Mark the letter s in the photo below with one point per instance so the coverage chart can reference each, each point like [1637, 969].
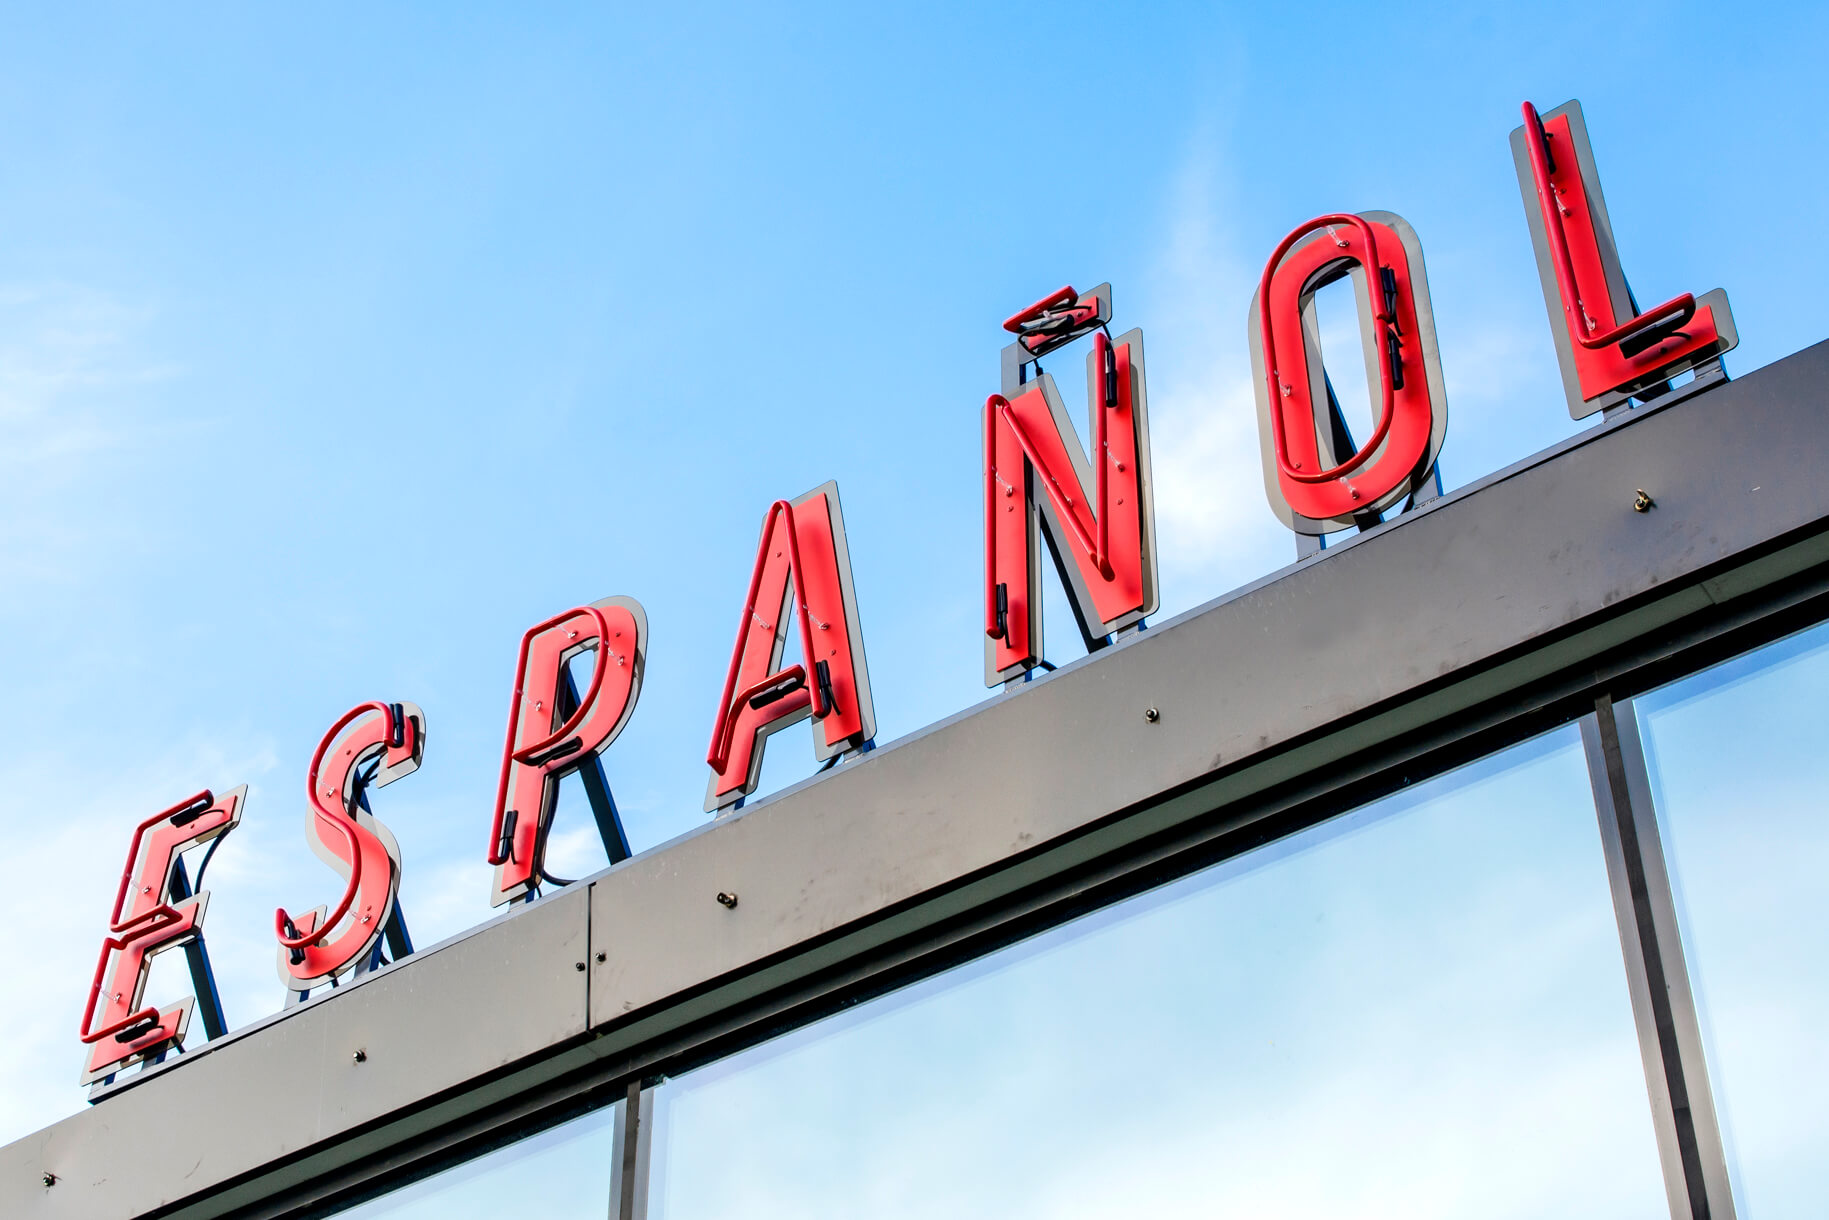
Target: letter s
[346, 836]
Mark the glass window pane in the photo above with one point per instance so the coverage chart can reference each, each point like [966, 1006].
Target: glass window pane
[1738, 771]
[1416, 1010]
[561, 1172]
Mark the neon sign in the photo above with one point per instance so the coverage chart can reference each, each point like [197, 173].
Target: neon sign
[802, 577]
[1098, 517]
[1316, 477]
[1094, 510]
[1609, 350]
[554, 731]
[157, 907]
[388, 739]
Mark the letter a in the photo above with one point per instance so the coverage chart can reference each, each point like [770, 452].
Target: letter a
[803, 575]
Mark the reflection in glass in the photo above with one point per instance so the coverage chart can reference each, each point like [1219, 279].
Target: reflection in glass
[1416, 1010]
[1738, 770]
[561, 1172]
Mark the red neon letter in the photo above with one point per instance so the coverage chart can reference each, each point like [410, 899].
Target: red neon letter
[347, 837]
[1608, 350]
[551, 733]
[1036, 477]
[803, 541]
[1313, 488]
[146, 921]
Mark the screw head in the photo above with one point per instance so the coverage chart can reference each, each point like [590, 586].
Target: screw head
[1151, 714]
[727, 899]
[1642, 502]
[578, 966]
[361, 1055]
[48, 1178]
[603, 957]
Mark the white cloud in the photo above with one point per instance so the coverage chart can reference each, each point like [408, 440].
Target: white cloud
[574, 851]
[443, 897]
[1215, 530]
[59, 344]
[64, 351]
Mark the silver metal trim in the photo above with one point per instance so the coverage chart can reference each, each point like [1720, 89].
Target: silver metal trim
[1670, 1035]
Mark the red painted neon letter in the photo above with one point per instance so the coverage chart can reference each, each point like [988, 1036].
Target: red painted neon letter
[146, 921]
[1312, 487]
[1609, 351]
[328, 941]
[1097, 515]
[553, 730]
[802, 574]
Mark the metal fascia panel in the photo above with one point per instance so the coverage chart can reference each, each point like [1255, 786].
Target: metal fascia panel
[431, 1022]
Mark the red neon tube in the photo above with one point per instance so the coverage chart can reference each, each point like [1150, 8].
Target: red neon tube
[509, 753]
[991, 409]
[820, 709]
[791, 678]
[1028, 449]
[1274, 377]
[155, 920]
[1055, 299]
[280, 918]
[1579, 324]
[1101, 350]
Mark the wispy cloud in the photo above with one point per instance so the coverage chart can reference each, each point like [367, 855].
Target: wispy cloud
[66, 352]
[1215, 530]
[59, 344]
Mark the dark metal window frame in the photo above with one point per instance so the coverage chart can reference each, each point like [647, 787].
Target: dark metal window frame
[1534, 598]
[1688, 1136]
[1670, 1036]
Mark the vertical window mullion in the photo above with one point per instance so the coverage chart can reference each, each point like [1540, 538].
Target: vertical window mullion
[633, 1145]
[1683, 1113]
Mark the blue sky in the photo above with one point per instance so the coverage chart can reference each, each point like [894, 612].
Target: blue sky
[337, 348]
